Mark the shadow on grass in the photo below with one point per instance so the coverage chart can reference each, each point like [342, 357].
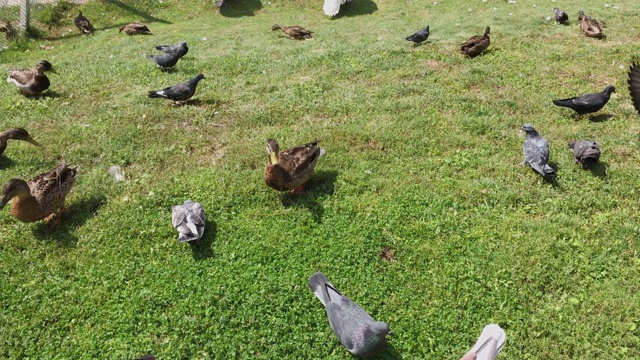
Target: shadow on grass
[357, 8]
[321, 184]
[601, 117]
[202, 248]
[47, 94]
[389, 353]
[207, 102]
[146, 16]
[72, 218]
[240, 8]
[6, 162]
[599, 169]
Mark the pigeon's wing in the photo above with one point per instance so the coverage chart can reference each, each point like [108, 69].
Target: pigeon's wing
[332, 7]
[178, 215]
[589, 99]
[196, 215]
[536, 154]
[347, 319]
[178, 92]
[634, 85]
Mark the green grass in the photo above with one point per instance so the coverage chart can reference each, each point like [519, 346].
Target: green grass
[422, 153]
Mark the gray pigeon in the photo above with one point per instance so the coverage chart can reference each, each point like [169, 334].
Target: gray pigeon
[585, 152]
[356, 330]
[536, 151]
[189, 220]
[220, 3]
[561, 17]
[181, 49]
[419, 36]
[165, 60]
[180, 92]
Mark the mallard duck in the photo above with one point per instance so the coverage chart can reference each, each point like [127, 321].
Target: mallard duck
[32, 81]
[295, 31]
[590, 27]
[83, 24]
[476, 44]
[15, 134]
[634, 85]
[41, 197]
[135, 29]
[5, 27]
[290, 169]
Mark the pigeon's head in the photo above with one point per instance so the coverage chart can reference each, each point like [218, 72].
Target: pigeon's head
[528, 128]
[572, 144]
[380, 329]
[121, 28]
[199, 77]
[274, 152]
[556, 9]
[275, 27]
[21, 134]
[609, 89]
[13, 188]
[487, 31]
[581, 15]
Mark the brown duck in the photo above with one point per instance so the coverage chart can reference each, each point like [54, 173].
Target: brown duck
[590, 27]
[41, 197]
[32, 81]
[290, 169]
[83, 24]
[476, 44]
[295, 31]
[15, 134]
[135, 29]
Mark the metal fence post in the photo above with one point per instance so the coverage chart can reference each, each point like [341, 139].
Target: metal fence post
[24, 16]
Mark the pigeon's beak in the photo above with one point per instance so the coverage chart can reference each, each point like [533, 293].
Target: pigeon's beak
[30, 140]
[53, 71]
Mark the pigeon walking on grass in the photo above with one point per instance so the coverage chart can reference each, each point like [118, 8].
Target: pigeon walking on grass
[489, 344]
[419, 36]
[189, 219]
[181, 49]
[165, 60]
[354, 327]
[585, 152]
[588, 103]
[560, 16]
[180, 92]
[536, 152]
[634, 85]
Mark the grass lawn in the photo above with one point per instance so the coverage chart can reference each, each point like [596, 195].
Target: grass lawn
[423, 147]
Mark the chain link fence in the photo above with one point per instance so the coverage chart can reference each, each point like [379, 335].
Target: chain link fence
[10, 16]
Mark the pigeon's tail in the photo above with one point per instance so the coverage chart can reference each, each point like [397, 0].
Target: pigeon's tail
[548, 170]
[320, 285]
[157, 94]
[563, 102]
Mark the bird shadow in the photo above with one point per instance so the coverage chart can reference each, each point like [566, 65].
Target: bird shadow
[6, 162]
[48, 94]
[320, 185]
[203, 103]
[240, 8]
[72, 218]
[598, 169]
[389, 353]
[202, 248]
[357, 8]
[601, 117]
